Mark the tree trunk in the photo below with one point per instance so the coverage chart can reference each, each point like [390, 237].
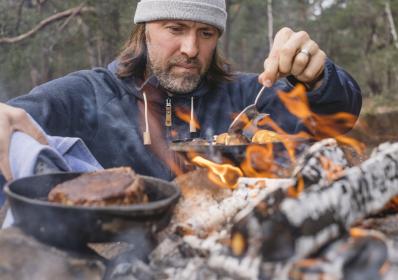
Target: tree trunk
[390, 18]
[270, 23]
[89, 43]
[110, 30]
[227, 32]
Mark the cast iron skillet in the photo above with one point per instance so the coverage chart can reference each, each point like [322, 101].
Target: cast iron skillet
[73, 226]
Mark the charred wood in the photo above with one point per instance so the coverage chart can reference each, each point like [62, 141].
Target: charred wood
[351, 257]
[300, 226]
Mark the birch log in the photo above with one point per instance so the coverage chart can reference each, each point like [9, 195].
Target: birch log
[300, 226]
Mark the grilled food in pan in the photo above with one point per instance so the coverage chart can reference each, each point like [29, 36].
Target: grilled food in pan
[72, 226]
[115, 186]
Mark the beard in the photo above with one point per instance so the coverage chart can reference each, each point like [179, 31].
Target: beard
[172, 81]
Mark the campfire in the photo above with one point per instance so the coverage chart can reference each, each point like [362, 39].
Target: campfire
[296, 207]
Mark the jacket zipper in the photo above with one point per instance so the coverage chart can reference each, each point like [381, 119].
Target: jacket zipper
[168, 119]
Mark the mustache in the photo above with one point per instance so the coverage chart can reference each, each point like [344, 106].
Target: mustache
[184, 60]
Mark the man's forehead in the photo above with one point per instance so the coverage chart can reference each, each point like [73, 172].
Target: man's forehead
[186, 23]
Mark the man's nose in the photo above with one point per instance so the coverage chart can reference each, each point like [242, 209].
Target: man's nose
[189, 46]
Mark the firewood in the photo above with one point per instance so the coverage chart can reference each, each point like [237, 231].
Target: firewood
[300, 226]
[205, 207]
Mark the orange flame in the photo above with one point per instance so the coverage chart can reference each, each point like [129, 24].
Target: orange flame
[320, 126]
[295, 190]
[185, 115]
[259, 161]
[333, 170]
[224, 175]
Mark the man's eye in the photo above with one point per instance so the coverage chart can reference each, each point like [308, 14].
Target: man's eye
[175, 29]
[207, 34]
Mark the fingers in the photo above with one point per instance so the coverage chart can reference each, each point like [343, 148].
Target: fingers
[293, 53]
[302, 59]
[271, 64]
[290, 50]
[4, 147]
[22, 122]
[314, 69]
[12, 119]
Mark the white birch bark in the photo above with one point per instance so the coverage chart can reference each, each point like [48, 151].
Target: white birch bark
[390, 19]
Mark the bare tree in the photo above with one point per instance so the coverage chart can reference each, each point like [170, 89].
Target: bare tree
[270, 23]
[68, 14]
[390, 19]
[233, 8]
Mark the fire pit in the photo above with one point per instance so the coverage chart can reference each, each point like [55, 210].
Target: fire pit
[314, 224]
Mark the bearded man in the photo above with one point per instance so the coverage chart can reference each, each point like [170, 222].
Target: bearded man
[127, 113]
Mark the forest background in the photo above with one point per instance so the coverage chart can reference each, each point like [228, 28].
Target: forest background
[43, 39]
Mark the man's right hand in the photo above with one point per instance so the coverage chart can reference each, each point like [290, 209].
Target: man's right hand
[12, 119]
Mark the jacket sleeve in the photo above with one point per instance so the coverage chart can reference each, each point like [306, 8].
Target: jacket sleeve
[63, 107]
[339, 92]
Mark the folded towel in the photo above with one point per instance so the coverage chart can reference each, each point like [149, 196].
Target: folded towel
[28, 157]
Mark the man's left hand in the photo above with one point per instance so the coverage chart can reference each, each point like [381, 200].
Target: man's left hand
[293, 53]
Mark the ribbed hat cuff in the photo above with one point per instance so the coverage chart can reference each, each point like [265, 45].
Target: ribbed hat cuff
[177, 10]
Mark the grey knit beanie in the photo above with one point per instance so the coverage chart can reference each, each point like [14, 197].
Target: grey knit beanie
[212, 12]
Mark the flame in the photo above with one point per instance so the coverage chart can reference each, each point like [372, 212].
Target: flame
[357, 232]
[320, 126]
[296, 189]
[238, 244]
[259, 161]
[174, 133]
[333, 170]
[185, 115]
[224, 175]
[264, 160]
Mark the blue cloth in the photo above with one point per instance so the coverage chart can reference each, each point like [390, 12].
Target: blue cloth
[62, 154]
[29, 157]
[106, 112]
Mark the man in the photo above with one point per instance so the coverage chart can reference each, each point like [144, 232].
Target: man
[128, 117]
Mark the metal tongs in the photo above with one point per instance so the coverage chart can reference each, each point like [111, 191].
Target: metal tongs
[246, 115]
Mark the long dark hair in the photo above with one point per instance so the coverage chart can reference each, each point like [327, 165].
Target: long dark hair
[133, 59]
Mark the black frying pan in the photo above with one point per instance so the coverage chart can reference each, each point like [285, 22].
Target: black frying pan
[74, 226]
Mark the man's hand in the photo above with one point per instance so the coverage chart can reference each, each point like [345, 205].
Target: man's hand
[293, 53]
[12, 119]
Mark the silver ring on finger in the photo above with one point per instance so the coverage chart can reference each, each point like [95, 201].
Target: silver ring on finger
[305, 52]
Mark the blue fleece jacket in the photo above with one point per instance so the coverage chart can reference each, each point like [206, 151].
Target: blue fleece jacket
[105, 111]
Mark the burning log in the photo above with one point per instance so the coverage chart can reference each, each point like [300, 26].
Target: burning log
[362, 255]
[205, 207]
[279, 222]
[199, 196]
[299, 226]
